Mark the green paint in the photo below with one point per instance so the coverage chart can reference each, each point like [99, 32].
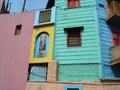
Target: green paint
[79, 62]
[78, 72]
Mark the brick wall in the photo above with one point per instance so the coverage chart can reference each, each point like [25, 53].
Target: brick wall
[60, 85]
[52, 71]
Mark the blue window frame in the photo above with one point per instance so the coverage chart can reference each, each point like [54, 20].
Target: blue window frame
[38, 72]
[73, 87]
[42, 45]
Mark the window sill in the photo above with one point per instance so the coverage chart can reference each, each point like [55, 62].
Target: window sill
[42, 24]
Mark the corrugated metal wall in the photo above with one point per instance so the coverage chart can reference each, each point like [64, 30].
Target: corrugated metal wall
[105, 39]
[85, 58]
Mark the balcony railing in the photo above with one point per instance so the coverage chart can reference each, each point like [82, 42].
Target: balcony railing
[115, 54]
[113, 12]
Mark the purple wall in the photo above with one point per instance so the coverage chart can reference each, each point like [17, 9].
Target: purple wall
[15, 50]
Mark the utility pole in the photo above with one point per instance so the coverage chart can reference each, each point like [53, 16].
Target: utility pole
[24, 6]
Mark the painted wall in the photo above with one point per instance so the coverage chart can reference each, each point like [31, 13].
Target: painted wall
[15, 50]
[81, 62]
[44, 27]
[37, 30]
[105, 38]
[37, 17]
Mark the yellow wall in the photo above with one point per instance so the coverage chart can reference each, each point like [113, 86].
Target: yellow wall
[37, 30]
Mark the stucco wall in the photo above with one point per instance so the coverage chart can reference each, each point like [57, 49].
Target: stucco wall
[15, 50]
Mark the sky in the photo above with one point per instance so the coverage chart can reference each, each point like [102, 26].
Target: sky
[16, 5]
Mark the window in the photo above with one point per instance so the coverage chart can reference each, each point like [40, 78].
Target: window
[73, 3]
[41, 45]
[18, 29]
[115, 37]
[38, 72]
[73, 87]
[45, 16]
[74, 36]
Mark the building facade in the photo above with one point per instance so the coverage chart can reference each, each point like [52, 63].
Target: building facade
[15, 38]
[69, 45]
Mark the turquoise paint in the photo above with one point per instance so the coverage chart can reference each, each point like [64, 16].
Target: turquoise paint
[77, 63]
[79, 72]
[37, 17]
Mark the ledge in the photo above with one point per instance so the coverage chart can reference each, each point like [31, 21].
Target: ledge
[43, 24]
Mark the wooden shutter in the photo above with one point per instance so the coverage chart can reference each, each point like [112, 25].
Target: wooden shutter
[76, 3]
[70, 3]
[74, 38]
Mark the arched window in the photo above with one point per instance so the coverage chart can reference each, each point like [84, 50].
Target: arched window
[41, 45]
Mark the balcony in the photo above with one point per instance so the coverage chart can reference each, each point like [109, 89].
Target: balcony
[46, 16]
[113, 12]
[115, 54]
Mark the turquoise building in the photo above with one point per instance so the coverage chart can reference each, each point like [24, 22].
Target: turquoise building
[64, 45]
[83, 40]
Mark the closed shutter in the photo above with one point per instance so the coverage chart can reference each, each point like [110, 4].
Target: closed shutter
[74, 38]
[70, 3]
[76, 3]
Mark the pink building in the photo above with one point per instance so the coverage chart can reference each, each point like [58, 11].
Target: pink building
[15, 40]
